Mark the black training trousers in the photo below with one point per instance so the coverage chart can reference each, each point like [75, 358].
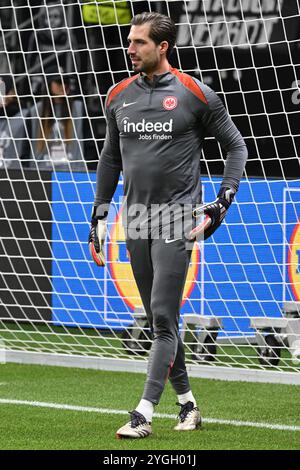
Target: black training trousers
[160, 268]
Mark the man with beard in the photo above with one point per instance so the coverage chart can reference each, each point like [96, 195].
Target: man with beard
[157, 121]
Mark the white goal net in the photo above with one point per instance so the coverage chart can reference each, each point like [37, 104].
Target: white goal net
[241, 303]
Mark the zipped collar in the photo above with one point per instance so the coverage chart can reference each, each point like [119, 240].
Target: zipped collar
[158, 80]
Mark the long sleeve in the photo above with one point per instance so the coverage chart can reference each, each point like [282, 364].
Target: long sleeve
[219, 124]
[109, 166]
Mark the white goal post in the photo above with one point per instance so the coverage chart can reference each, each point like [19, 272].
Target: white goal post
[240, 313]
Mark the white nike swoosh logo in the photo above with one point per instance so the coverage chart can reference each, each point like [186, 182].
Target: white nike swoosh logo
[171, 241]
[128, 104]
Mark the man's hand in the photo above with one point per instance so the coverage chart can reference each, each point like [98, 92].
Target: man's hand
[213, 213]
[96, 240]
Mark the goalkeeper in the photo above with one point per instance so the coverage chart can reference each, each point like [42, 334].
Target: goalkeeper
[156, 124]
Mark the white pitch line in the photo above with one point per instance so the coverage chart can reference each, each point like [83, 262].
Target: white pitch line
[90, 409]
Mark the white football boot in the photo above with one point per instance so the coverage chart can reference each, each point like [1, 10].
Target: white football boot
[137, 427]
[189, 417]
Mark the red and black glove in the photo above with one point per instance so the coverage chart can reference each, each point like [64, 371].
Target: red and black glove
[212, 214]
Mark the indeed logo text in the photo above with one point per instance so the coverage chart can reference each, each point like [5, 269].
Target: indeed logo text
[148, 126]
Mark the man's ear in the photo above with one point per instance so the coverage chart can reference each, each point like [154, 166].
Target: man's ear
[164, 46]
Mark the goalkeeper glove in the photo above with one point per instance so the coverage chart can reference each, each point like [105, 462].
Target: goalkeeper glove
[97, 237]
[214, 214]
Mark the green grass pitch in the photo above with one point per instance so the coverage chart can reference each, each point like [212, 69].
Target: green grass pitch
[223, 405]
